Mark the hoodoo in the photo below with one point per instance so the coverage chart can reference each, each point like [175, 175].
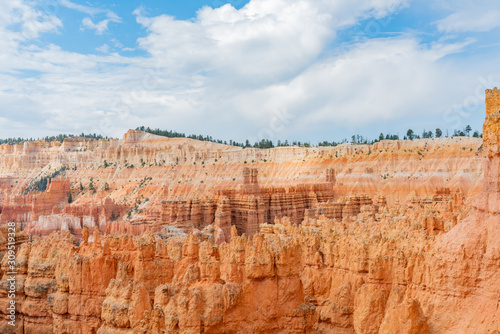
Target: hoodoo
[179, 236]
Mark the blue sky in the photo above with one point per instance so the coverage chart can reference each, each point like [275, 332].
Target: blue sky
[304, 70]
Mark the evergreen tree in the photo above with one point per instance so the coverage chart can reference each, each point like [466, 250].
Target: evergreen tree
[468, 129]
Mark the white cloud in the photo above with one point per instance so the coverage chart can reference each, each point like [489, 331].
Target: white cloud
[228, 72]
[391, 78]
[380, 81]
[117, 43]
[104, 48]
[467, 16]
[102, 25]
[467, 21]
[31, 22]
[264, 42]
[99, 27]
[81, 8]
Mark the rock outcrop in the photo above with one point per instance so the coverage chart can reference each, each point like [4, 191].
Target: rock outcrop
[145, 181]
[320, 250]
[368, 275]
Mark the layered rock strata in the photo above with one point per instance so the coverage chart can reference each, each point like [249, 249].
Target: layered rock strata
[145, 181]
[354, 264]
[374, 274]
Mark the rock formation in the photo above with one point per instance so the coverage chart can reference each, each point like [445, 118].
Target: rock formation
[301, 243]
[145, 181]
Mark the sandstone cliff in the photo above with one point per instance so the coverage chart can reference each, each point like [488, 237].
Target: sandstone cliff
[325, 251]
[145, 181]
[374, 274]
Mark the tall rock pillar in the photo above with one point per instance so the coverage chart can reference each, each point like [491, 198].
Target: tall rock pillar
[490, 200]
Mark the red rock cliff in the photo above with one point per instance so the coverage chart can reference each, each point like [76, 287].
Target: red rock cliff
[146, 181]
[426, 261]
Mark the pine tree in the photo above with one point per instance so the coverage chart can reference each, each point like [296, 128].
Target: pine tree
[410, 134]
[468, 129]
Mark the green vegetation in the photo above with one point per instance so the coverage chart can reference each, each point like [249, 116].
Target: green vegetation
[468, 129]
[427, 134]
[410, 134]
[59, 138]
[41, 183]
[135, 208]
[262, 144]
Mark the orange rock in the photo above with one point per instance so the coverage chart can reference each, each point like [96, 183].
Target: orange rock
[405, 317]
[390, 243]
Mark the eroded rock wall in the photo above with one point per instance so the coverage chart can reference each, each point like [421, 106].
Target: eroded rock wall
[373, 274]
[424, 259]
[145, 181]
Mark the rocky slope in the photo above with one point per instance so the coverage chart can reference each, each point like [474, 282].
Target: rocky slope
[146, 181]
[327, 248]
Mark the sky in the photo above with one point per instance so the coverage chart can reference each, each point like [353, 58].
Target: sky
[308, 70]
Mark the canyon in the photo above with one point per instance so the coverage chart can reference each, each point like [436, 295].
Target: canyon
[146, 182]
[149, 234]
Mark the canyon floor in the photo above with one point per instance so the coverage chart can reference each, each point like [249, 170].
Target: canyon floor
[148, 234]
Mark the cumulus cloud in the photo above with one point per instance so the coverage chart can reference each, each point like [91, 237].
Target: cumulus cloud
[381, 80]
[389, 76]
[30, 22]
[263, 42]
[267, 69]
